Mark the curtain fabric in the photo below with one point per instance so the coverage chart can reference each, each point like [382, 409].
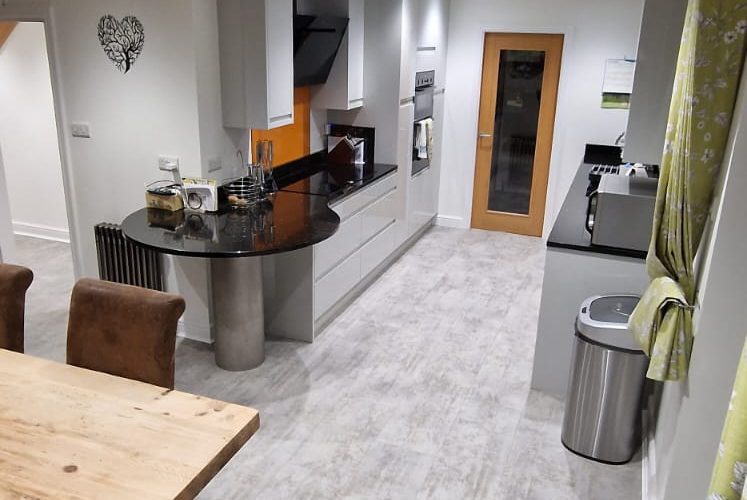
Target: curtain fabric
[730, 471]
[709, 65]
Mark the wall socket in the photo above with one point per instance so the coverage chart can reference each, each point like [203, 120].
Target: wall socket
[82, 130]
[167, 163]
[215, 164]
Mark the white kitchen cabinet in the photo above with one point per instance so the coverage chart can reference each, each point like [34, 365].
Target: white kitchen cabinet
[377, 250]
[332, 251]
[570, 277]
[339, 260]
[438, 138]
[409, 45]
[256, 61]
[335, 284]
[404, 160]
[423, 187]
[378, 216]
[344, 87]
[433, 18]
[422, 195]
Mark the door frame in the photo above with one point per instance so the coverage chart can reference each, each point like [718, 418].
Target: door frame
[40, 11]
[540, 188]
[464, 219]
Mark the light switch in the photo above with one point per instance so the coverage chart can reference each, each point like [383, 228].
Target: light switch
[82, 130]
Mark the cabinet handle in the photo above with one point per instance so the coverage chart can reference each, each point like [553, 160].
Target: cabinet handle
[485, 136]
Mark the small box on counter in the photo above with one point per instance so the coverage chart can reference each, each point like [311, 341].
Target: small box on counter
[201, 194]
[164, 196]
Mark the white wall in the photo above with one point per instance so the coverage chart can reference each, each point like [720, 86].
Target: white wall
[594, 32]
[152, 110]
[691, 414]
[28, 136]
[218, 145]
[7, 241]
[134, 118]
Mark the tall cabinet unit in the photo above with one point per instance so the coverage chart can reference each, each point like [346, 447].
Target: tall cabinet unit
[424, 49]
[256, 62]
[404, 161]
[344, 87]
[410, 34]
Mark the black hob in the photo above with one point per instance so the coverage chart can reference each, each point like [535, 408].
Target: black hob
[313, 175]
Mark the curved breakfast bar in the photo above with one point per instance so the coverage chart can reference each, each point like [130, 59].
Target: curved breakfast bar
[234, 240]
[295, 217]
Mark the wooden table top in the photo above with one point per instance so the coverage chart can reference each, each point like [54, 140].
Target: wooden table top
[66, 432]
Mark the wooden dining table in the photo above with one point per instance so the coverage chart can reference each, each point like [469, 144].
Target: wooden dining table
[67, 432]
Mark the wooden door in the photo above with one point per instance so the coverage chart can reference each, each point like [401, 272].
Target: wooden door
[517, 113]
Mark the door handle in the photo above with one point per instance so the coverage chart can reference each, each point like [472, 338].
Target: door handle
[485, 136]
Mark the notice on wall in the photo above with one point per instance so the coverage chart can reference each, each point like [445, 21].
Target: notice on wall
[618, 76]
[618, 83]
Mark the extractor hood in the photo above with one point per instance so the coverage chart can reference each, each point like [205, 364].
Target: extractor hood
[316, 40]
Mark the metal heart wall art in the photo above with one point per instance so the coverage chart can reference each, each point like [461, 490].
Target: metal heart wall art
[122, 41]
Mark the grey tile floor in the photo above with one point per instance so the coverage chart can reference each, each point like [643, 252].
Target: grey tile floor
[419, 390]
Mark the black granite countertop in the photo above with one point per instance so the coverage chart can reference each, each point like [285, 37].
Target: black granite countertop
[313, 175]
[287, 222]
[570, 231]
[296, 216]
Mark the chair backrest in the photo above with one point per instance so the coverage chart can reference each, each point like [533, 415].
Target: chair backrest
[14, 281]
[124, 330]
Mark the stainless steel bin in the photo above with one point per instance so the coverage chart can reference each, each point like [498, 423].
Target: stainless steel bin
[602, 419]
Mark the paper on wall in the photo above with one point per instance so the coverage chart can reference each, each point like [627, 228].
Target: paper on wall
[618, 76]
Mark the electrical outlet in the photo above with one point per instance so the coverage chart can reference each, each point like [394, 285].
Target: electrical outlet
[168, 163]
[214, 164]
[82, 130]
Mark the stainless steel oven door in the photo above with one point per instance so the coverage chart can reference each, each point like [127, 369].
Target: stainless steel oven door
[423, 103]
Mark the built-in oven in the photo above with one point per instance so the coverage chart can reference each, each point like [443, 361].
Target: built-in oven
[422, 135]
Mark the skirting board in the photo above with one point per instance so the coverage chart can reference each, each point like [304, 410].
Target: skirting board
[196, 331]
[42, 232]
[452, 221]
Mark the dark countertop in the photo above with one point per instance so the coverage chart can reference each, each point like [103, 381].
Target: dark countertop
[569, 231]
[313, 175]
[289, 222]
[297, 216]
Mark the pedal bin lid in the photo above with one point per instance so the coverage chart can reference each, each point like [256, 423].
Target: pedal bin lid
[604, 319]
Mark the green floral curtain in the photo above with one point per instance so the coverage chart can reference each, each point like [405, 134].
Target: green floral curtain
[709, 66]
[728, 480]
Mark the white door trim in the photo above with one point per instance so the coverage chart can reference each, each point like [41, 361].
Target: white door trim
[41, 11]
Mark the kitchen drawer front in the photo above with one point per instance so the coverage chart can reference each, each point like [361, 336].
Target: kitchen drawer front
[335, 284]
[378, 216]
[356, 202]
[377, 250]
[333, 250]
[422, 198]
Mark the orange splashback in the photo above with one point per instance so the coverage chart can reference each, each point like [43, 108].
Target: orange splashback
[6, 28]
[292, 141]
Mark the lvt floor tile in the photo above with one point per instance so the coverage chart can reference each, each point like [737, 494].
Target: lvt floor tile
[419, 390]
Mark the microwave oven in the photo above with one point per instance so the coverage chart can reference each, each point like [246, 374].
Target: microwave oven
[620, 212]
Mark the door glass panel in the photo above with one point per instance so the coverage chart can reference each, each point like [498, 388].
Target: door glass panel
[515, 131]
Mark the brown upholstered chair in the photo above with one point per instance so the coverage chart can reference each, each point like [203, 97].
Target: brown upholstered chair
[14, 281]
[124, 330]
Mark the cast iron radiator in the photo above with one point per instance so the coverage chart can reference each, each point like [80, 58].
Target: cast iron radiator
[121, 261]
